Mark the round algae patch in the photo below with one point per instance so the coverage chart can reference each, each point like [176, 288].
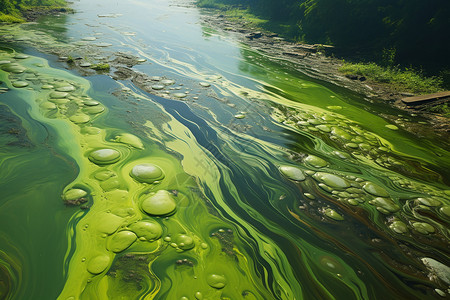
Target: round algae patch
[104, 156]
[129, 139]
[48, 105]
[216, 281]
[375, 190]
[149, 230]
[80, 118]
[98, 264]
[399, 227]
[20, 84]
[58, 95]
[316, 161]
[159, 204]
[292, 173]
[13, 68]
[184, 242]
[121, 241]
[331, 180]
[179, 95]
[331, 213]
[158, 86]
[67, 88]
[147, 173]
[74, 194]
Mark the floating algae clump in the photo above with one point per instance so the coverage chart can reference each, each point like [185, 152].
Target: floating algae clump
[121, 241]
[385, 205]
[399, 227]
[129, 139]
[160, 203]
[104, 156]
[80, 118]
[423, 228]
[184, 242]
[98, 264]
[331, 180]
[20, 84]
[375, 190]
[216, 281]
[331, 213]
[13, 68]
[58, 95]
[147, 173]
[292, 173]
[74, 194]
[149, 230]
[316, 161]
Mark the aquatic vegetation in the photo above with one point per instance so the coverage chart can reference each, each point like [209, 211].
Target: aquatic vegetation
[176, 200]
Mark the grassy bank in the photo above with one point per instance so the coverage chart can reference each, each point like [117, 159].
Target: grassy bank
[403, 80]
[12, 11]
[407, 80]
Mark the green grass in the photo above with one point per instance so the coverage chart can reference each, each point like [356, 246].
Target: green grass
[10, 19]
[5, 18]
[407, 80]
[101, 67]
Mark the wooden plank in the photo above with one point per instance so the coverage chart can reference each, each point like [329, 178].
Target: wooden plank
[425, 98]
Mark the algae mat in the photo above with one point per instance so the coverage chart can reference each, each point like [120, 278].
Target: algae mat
[243, 181]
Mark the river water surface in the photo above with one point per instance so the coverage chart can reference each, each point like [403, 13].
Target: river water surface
[221, 174]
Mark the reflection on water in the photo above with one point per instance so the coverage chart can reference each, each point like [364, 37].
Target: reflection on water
[257, 183]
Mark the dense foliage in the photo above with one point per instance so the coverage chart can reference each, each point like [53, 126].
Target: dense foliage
[10, 10]
[415, 31]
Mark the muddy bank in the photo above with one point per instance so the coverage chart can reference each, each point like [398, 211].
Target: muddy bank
[313, 61]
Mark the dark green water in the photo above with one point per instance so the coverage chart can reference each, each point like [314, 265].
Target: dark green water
[261, 184]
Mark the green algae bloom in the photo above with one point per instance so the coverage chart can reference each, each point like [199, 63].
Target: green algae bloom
[104, 156]
[147, 173]
[160, 203]
[292, 173]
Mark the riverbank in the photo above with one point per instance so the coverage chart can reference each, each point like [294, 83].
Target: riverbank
[313, 61]
[18, 12]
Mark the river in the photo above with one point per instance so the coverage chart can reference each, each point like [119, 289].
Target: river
[220, 173]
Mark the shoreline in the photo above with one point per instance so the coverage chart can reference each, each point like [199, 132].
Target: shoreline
[309, 60]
